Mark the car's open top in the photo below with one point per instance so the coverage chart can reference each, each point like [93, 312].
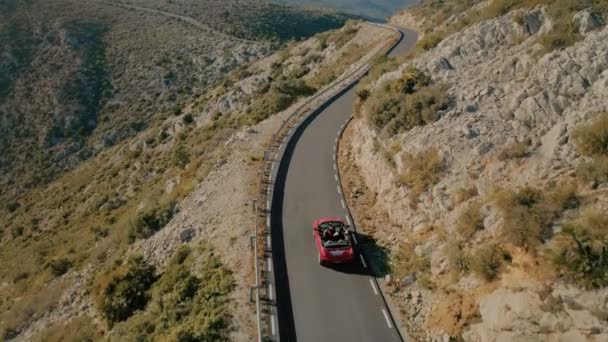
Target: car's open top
[333, 234]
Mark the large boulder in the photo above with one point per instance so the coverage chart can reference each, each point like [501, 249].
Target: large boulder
[588, 20]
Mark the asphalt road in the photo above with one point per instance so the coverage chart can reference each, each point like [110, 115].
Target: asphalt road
[316, 303]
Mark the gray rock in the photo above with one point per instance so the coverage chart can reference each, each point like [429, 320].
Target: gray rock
[534, 20]
[587, 20]
[186, 235]
[409, 279]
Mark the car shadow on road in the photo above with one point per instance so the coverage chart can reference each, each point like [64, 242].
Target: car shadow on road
[376, 256]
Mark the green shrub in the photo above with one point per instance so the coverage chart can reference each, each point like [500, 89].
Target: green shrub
[281, 95]
[180, 156]
[184, 306]
[487, 261]
[128, 292]
[410, 101]
[581, 250]
[188, 119]
[470, 221]
[60, 266]
[422, 170]
[149, 222]
[363, 94]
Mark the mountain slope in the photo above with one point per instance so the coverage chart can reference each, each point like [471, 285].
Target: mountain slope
[477, 165]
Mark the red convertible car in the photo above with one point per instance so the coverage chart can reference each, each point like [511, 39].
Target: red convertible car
[333, 240]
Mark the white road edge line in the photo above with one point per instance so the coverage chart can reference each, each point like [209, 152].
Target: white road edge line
[267, 204]
[373, 286]
[348, 220]
[272, 326]
[388, 321]
[335, 168]
[269, 264]
[270, 291]
[336, 177]
[356, 242]
[268, 239]
[363, 261]
[343, 204]
[339, 190]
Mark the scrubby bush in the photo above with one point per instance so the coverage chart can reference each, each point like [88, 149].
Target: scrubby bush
[410, 101]
[488, 260]
[188, 119]
[128, 292]
[514, 151]
[429, 41]
[463, 194]
[591, 140]
[184, 306]
[11, 206]
[470, 221]
[459, 259]
[581, 250]
[60, 266]
[281, 95]
[149, 222]
[180, 156]
[594, 170]
[422, 170]
[405, 261]
[529, 212]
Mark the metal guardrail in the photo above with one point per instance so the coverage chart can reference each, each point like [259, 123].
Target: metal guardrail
[263, 203]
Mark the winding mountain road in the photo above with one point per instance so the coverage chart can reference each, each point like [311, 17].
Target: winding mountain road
[316, 303]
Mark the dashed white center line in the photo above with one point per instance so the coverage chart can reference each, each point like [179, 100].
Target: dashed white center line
[268, 240]
[348, 220]
[336, 177]
[335, 168]
[270, 291]
[363, 261]
[267, 204]
[339, 190]
[373, 286]
[334, 158]
[273, 328]
[355, 239]
[269, 264]
[343, 204]
[388, 321]
[334, 148]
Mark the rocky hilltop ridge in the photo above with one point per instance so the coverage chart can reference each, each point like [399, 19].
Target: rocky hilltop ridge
[486, 193]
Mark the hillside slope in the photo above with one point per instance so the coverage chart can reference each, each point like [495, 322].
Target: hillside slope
[478, 163]
[162, 211]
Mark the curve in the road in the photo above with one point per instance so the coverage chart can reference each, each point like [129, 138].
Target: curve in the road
[317, 303]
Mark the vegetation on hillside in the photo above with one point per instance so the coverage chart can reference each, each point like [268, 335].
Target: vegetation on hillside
[399, 105]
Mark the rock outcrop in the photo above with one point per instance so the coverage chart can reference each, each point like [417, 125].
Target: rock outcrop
[504, 89]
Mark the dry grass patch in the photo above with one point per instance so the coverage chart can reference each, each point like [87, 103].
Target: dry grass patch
[422, 170]
[470, 221]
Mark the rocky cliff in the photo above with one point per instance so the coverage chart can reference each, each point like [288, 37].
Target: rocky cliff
[472, 253]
